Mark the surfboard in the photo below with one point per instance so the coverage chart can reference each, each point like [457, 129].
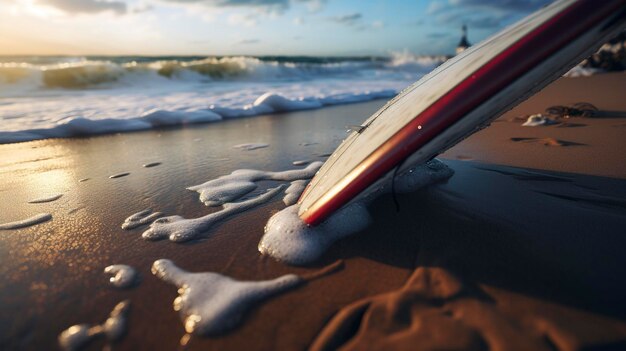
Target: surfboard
[460, 97]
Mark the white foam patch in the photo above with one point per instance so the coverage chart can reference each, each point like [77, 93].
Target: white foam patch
[45, 199]
[233, 186]
[211, 303]
[288, 239]
[179, 229]
[293, 192]
[40, 218]
[251, 146]
[77, 336]
[119, 175]
[122, 276]
[269, 102]
[538, 120]
[140, 218]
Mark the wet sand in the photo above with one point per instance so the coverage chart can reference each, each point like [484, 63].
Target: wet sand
[522, 246]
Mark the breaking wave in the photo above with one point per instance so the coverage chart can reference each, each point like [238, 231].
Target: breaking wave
[87, 72]
[48, 97]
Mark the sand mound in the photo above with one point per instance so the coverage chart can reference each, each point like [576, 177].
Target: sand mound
[436, 311]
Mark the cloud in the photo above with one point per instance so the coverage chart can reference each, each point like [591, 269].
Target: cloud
[507, 5]
[272, 6]
[248, 41]
[481, 14]
[313, 5]
[238, 19]
[473, 20]
[348, 20]
[141, 8]
[87, 6]
[378, 24]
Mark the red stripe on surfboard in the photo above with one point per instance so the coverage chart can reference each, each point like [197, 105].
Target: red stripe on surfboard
[485, 82]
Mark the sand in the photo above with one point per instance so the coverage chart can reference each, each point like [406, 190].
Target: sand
[523, 246]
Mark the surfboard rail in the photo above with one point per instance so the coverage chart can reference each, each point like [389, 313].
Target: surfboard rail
[572, 29]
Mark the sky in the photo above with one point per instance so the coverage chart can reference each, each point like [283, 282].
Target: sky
[250, 27]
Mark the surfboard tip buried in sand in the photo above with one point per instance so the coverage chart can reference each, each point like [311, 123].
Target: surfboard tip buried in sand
[460, 97]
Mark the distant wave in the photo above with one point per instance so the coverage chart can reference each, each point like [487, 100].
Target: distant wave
[80, 73]
[48, 97]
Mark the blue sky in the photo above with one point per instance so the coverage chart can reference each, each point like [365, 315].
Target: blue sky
[249, 27]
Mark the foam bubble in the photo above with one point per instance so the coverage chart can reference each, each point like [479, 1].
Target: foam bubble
[77, 336]
[123, 276]
[45, 199]
[140, 218]
[119, 175]
[211, 303]
[40, 218]
[151, 164]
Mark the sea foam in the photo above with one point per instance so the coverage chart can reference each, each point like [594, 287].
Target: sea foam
[211, 303]
[140, 218]
[86, 97]
[123, 276]
[288, 239]
[40, 218]
[45, 199]
[179, 229]
[77, 336]
[226, 191]
[293, 192]
[240, 182]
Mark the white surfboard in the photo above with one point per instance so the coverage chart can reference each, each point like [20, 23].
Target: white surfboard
[460, 97]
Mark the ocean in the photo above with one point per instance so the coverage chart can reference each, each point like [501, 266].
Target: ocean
[61, 96]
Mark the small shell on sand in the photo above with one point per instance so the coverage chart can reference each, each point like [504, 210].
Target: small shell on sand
[40, 218]
[151, 164]
[538, 120]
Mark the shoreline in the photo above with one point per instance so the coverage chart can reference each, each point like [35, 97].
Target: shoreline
[533, 232]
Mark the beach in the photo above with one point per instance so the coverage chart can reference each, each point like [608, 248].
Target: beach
[522, 248]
